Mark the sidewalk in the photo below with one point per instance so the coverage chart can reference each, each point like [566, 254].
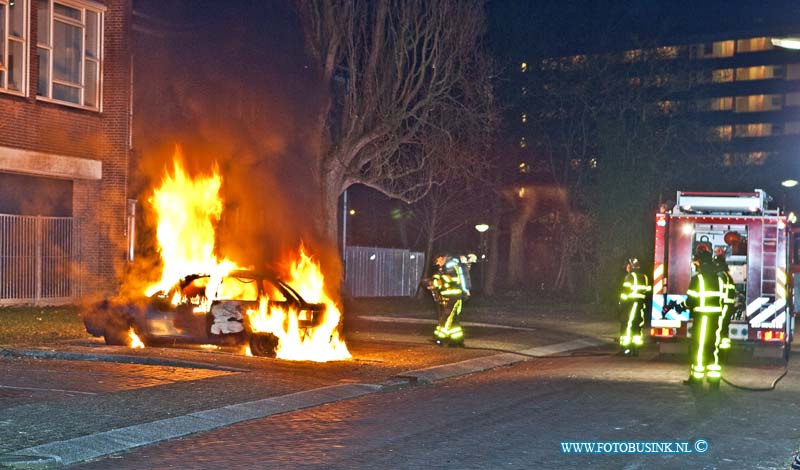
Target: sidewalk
[235, 388]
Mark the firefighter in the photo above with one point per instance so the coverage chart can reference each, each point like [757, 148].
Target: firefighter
[634, 290]
[728, 299]
[450, 288]
[704, 299]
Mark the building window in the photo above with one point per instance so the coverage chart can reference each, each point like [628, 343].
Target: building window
[761, 129]
[633, 55]
[720, 103]
[721, 133]
[760, 72]
[70, 51]
[13, 49]
[523, 67]
[722, 75]
[793, 72]
[667, 52]
[757, 103]
[523, 143]
[793, 99]
[713, 50]
[524, 118]
[666, 106]
[753, 45]
[791, 127]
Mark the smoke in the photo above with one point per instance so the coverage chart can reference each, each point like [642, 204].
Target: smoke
[231, 87]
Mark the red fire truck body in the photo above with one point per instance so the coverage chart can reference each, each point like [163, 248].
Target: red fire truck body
[756, 243]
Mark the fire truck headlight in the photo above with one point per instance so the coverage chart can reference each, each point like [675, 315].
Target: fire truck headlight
[687, 229]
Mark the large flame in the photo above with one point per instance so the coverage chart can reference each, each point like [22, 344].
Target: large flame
[321, 343]
[188, 211]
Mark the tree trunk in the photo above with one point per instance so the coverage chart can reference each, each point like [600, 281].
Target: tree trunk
[426, 272]
[516, 247]
[331, 187]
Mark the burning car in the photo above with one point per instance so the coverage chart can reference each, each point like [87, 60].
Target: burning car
[206, 309]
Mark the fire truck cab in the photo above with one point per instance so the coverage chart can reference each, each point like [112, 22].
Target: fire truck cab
[757, 243]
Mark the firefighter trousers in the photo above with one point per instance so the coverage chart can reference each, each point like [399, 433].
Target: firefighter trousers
[704, 349]
[449, 327]
[725, 322]
[632, 324]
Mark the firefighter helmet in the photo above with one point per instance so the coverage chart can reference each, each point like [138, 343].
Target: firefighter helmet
[704, 258]
[720, 262]
[634, 264]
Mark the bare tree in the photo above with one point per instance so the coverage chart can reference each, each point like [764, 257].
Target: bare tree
[393, 71]
[605, 126]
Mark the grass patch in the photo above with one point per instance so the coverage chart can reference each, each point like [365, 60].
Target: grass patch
[36, 326]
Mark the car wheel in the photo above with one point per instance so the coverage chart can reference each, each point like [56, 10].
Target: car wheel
[263, 344]
[116, 332]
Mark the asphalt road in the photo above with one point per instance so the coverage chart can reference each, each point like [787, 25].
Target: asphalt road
[513, 417]
[484, 409]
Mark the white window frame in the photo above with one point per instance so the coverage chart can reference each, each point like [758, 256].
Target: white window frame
[83, 6]
[7, 39]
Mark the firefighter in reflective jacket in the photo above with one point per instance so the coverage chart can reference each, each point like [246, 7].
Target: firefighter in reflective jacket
[704, 299]
[450, 287]
[634, 290]
[728, 299]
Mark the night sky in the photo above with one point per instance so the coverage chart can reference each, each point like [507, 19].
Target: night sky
[563, 27]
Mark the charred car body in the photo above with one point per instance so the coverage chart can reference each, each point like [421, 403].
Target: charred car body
[204, 310]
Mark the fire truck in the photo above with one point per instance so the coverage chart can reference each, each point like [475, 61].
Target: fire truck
[757, 242]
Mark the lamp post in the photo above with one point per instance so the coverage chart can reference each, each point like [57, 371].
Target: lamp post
[482, 229]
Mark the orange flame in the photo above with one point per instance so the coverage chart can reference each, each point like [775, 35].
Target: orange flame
[320, 343]
[188, 211]
[136, 343]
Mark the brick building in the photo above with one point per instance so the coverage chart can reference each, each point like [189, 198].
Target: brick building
[65, 141]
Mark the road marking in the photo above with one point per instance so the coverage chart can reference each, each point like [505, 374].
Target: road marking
[426, 321]
[47, 389]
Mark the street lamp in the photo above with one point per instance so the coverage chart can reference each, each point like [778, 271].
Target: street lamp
[786, 43]
[789, 183]
[482, 228]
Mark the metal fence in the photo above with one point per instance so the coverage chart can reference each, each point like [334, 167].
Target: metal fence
[36, 256]
[382, 272]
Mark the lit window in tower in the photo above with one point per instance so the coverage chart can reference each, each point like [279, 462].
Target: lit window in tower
[753, 45]
[722, 75]
[523, 143]
[759, 72]
[720, 133]
[713, 50]
[758, 103]
[760, 129]
[523, 67]
[524, 118]
[667, 52]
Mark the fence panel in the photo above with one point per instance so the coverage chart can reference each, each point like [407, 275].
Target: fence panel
[382, 272]
[36, 256]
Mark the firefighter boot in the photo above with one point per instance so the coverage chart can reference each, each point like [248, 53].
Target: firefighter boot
[714, 376]
[637, 345]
